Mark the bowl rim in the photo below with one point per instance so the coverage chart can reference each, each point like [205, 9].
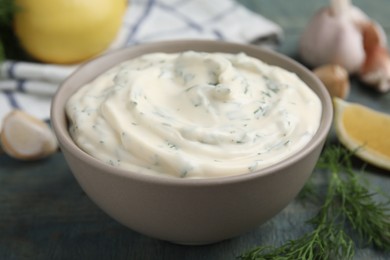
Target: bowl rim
[57, 115]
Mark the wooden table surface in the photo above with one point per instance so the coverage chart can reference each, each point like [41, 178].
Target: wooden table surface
[44, 214]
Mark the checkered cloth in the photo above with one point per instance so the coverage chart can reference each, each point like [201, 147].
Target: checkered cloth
[30, 86]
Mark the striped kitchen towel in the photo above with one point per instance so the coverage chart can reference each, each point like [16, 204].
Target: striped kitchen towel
[30, 86]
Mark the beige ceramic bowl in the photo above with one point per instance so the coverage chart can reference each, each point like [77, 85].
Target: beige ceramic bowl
[189, 211]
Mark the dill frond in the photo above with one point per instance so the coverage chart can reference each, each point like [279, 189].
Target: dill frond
[348, 210]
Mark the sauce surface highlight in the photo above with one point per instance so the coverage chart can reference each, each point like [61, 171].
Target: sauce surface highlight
[193, 115]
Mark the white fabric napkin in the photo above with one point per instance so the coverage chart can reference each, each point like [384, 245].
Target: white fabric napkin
[30, 86]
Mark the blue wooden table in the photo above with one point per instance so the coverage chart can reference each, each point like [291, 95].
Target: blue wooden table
[44, 214]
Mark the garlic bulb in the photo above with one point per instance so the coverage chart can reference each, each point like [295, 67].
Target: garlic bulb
[344, 35]
[26, 137]
[334, 36]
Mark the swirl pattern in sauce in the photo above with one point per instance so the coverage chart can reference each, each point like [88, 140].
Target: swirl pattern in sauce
[194, 115]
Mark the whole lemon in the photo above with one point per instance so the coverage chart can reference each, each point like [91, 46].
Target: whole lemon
[67, 31]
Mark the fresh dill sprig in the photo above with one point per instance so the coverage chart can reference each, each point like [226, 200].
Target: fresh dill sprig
[348, 211]
[324, 242]
[368, 218]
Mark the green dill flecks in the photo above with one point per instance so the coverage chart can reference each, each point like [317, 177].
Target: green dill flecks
[120, 79]
[73, 129]
[257, 136]
[245, 85]
[196, 102]
[213, 77]
[184, 172]
[190, 88]
[87, 111]
[276, 146]
[179, 72]
[243, 139]
[171, 145]
[193, 96]
[162, 114]
[221, 92]
[273, 86]
[261, 111]
[114, 162]
[133, 104]
[266, 93]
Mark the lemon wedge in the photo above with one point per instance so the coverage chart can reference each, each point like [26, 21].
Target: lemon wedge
[363, 130]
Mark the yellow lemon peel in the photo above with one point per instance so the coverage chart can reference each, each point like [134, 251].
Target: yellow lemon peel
[63, 31]
[365, 130]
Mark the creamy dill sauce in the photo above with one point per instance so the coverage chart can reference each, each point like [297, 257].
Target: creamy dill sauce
[193, 115]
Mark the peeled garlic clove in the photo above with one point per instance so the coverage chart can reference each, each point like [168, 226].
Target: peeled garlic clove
[26, 137]
[335, 78]
[375, 70]
[372, 34]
